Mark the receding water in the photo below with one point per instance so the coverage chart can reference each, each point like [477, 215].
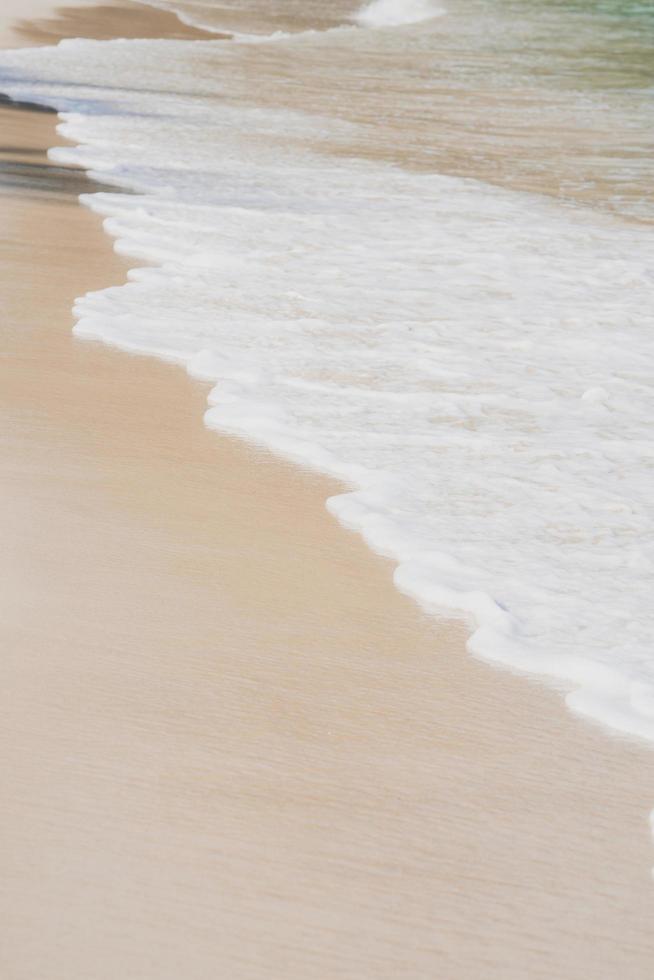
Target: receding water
[411, 244]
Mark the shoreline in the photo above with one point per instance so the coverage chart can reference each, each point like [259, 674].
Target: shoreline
[217, 757]
[43, 22]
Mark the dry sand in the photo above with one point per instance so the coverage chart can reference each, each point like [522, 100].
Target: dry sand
[230, 749]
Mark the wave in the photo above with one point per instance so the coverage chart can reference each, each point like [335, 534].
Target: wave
[378, 13]
[395, 13]
[250, 22]
[469, 361]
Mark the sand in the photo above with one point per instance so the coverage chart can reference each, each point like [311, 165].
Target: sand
[37, 22]
[230, 748]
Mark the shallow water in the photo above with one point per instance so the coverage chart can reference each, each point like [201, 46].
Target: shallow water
[417, 256]
[552, 97]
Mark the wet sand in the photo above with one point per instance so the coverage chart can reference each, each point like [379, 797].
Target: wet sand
[37, 22]
[229, 747]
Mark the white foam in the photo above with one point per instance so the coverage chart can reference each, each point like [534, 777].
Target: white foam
[471, 362]
[395, 13]
[378, 13]
[229, 18]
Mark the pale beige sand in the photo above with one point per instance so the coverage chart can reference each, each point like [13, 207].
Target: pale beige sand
[230, 749]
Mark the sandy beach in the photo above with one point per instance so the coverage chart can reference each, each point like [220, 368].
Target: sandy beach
[230, 748]
[43, 22]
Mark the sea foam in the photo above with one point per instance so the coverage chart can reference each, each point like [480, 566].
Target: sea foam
[471, 362]
[395, 13]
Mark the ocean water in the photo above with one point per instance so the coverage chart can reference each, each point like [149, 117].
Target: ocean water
[411, 244]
